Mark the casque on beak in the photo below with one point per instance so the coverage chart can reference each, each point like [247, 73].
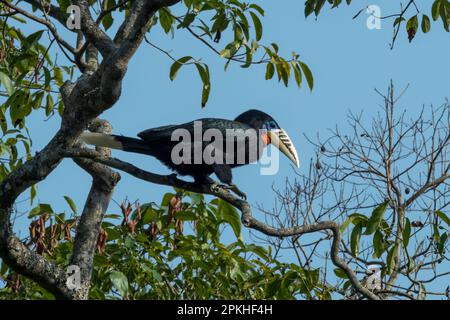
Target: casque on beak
[280, 139]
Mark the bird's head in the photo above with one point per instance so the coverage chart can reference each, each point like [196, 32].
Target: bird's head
[272, 133]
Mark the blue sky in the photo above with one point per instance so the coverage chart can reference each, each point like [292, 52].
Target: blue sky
[347, 59]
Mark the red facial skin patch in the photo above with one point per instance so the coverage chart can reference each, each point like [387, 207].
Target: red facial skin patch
[265, 138]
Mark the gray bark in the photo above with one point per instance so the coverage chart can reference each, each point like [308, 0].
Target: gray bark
[91, 94]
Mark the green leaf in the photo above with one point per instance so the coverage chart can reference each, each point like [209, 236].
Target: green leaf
[275, 47]
[188, 3]
[33, 192]
[436, 233]
[204, 75]
[340, 273]
[47, 79]
[346, 223]
[425, 24]
[270, 70]
[196, 198]
[244, 25]
[238, 34]
[347, 285]
[282, 72]
[226, 212]
[308, 75]
[336, 3]
[157, 276]
[38, 100]
[113, 233]
[309, 8]
[406, 233]
[177, 65]
[297, 74]
[354, 239]
[288, 279]
[230, 50]
[107, 21]
[258, 26]
[390, 259]
[318, 6]
[48, 105]
[398, 20]
[257, 8]
[71, 204]
[188, 19]
[63, 4]
[378, 244]
[375, 219]
[413, 23]
[445, 14]
[165, 19]
[248, 57]
[273, 287]
[6, 82]
[3, 268]
[441, 245]
[186, 216]
[33, 38]
[443, 217]
[119, 281]
[40, 209]
[435, 9]
[61, 107]
[148, 214]
[203, 72]
[166, 199]
[260, 251]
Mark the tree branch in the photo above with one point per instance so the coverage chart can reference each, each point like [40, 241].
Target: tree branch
[44, 22]
[93, 33]
[51, 10]
[88, 230]
[84, 100]
[247, 218]
[425, 188]
[28, 263]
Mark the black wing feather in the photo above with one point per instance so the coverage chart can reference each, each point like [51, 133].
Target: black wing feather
[164, 133]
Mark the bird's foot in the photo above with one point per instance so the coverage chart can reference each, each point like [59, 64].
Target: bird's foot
[237, 191]
[230, 187]
[234, 188]
[172, 177]
[215, 186]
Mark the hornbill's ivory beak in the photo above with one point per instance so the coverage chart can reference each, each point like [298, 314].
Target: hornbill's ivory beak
[280, 139]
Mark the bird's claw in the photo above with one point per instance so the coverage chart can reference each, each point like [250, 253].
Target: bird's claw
[237, 191]
[216, 186]
[231, 187]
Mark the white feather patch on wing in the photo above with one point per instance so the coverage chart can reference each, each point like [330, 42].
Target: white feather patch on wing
[101, 140]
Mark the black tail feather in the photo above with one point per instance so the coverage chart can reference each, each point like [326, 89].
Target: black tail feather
[133, 144]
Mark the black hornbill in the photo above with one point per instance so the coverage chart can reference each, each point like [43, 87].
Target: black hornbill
[244, 139]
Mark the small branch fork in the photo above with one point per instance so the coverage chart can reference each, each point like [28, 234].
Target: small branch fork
[398, 16]
[247, 218]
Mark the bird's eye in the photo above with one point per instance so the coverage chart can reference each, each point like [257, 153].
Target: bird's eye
[270, 125]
